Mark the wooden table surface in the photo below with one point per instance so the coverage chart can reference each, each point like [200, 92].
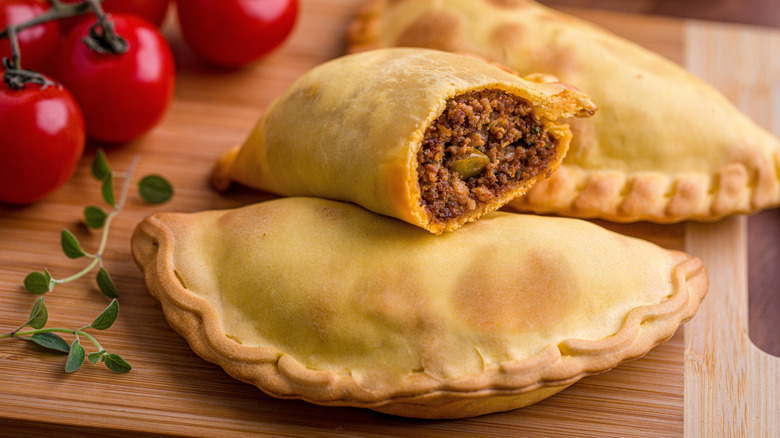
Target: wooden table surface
[173, 393]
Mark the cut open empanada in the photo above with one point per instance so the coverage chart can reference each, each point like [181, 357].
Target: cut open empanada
[432, 138]
[664, 145]
[327, 302]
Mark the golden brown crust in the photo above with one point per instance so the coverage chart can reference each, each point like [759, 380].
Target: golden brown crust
[220, 175]
[508, 385]
[682, 164]
[435, 30]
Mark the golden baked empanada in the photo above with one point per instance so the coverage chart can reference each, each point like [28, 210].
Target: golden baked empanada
[330, 303]
[664, 145]
[432, 138]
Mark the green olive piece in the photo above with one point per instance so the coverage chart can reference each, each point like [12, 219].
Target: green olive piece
[471, 165]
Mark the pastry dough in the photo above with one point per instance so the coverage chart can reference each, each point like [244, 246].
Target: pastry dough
[327, 302]
[365, 128]
[664, 145]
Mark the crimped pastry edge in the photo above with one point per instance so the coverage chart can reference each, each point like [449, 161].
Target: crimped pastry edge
[511, 385]
[654, 196]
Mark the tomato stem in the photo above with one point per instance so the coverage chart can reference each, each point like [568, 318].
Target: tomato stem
[57, 11]
[102, 35]
[102, 38]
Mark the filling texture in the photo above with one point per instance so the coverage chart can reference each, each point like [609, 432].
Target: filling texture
[482, 146]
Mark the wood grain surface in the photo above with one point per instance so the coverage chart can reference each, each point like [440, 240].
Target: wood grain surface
[172, 392]
[730, 381]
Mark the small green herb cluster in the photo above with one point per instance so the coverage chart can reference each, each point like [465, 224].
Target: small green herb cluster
[152, 188]
[47, 337]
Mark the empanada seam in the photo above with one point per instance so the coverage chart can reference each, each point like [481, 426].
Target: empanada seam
[704, 208]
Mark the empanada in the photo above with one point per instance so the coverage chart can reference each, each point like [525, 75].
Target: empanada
[330, 303]
[432, 138]
[664, 145]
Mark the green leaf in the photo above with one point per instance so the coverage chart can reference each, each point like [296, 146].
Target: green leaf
[100, 167]
[155, 189]
[106, 285]
[95, 217]
[70, 246]
[115, 363]
[51, 341]
[49, 282]
[107, 189]
[107, 317]
[96, 356]
[38, 315]
[75, 357]
[36, 283]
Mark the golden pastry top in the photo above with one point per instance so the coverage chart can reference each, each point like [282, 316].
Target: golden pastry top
[375, 309]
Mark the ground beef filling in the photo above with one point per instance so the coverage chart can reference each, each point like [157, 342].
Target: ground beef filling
[480, 148]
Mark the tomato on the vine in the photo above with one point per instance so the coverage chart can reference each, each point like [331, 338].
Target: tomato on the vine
[36, 44]
[153, 11]
[233, 33]
[42, 142]
[122, 95]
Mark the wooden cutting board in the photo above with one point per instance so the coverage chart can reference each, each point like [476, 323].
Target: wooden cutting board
[707, 380]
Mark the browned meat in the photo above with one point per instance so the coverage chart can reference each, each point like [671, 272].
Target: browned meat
[482, 146]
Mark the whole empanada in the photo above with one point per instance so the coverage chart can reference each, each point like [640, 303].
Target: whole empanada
[664, 145]
[432, 138]
[327, 302]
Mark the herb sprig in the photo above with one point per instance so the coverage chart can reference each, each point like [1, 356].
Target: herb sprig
[48, 338]
[152, 188]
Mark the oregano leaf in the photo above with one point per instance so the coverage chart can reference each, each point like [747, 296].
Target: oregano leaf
[70, 246]
[100, 167]
[107, 317]
[115, 363]
[38, 314]
[51, 341]
[47, 276]
[155, 189]
[94, 217]
[107, 190]
[36, 283]
[106, 285]
[75, 357]
[96, 356]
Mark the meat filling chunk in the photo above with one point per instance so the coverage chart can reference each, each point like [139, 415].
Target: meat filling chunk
[482, 146]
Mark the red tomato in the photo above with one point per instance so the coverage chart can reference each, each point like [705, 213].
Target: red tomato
[233, 33]
[36, 44]
[152, 10]
[42, 141]
[122, 95]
